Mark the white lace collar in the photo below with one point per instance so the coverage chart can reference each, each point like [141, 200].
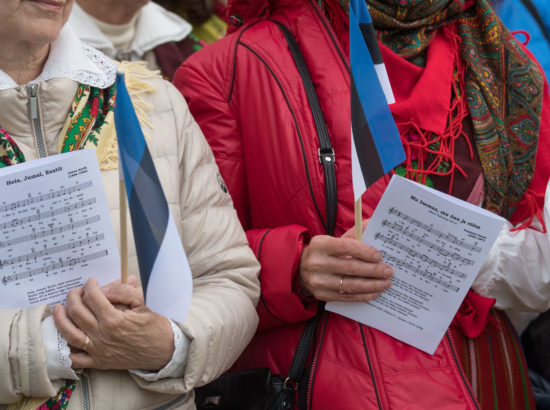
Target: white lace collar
[155, 26]
[70, 58]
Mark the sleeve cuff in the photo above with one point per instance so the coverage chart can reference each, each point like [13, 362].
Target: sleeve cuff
[58, 362]
[176, 366]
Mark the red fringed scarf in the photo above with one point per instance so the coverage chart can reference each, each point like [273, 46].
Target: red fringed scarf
[461, 62]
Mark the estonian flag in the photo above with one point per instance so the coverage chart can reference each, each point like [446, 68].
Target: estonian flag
[377, 145]
[164, 269]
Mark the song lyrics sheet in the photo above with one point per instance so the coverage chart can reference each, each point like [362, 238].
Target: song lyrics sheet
[55, 229]
[436, 245]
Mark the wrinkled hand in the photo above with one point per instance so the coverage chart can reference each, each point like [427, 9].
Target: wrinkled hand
[123, 333]
[343, 269]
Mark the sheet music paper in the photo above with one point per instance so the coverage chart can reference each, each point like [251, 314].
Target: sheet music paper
[55, 229]
[436, 245]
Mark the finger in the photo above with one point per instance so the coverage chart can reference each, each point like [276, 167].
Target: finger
[319, 263]
[352, 285]
[132, 280]
[354, 267]
[346, 247]
[78, 313]
[73, 335]
[82, 360]
[126, 295]
[96, 301]
[329, 296]
[320, 283]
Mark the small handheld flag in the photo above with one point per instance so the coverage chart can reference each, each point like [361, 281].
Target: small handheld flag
[164, 269]
[376, 147]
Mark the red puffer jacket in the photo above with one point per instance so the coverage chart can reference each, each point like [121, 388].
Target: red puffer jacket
[246, 94]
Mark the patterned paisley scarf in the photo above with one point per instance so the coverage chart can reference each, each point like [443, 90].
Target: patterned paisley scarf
[90, 123]
[502, 86]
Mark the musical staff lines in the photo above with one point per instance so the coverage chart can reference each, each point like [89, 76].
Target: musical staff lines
[432, 262]
[54, 266]
[447, 237]
[48, 214]
[50, 232]
[394, 226]
[425, 274]
[50, 195]
[50, 251]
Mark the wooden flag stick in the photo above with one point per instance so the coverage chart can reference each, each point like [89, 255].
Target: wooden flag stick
[123, 232]
[358, 219]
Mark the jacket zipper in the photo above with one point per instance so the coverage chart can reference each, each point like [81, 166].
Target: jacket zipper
[36, 123]
[314, 364]
[84, 385]
[462, 375]
[331, 34]
[363, 336]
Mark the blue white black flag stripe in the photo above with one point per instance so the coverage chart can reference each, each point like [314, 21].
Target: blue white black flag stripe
[376, 147]
[164, 270]
[369, 35]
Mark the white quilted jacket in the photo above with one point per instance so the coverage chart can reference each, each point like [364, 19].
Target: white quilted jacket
[222, 318]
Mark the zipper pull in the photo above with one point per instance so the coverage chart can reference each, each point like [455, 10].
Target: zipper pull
[33, 100]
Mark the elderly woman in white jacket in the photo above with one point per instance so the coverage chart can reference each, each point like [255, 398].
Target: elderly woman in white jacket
[43, 64]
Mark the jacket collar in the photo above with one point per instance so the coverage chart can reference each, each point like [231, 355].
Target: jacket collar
[155, 26]
[71, 59]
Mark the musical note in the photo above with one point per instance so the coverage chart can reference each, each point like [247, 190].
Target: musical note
[431, 276]
[423, 257]
[50, 232]
[441, 250]
[447, 237]
[49, 214]
[40, 198]
[50, 251]
[54, 266]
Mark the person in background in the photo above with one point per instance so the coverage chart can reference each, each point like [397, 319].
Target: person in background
[207, 16]
[473, 111]
[72, 85]
[134, 30]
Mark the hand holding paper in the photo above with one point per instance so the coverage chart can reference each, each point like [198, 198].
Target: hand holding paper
[436, 244]
[118, 339]
[343, 269]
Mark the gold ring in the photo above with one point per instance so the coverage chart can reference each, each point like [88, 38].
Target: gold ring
[86, 342]
[341, 286]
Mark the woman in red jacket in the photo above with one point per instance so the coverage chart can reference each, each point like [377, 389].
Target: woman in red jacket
[248, 97]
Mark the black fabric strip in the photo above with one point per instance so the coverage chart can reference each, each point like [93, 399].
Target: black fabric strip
[148, 224]
[326, 153]
[371, 166]
[369, 34]
[302, 351]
